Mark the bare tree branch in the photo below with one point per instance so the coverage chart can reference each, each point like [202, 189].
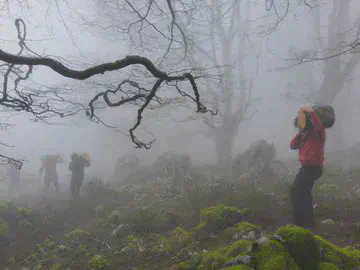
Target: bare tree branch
[160, 76]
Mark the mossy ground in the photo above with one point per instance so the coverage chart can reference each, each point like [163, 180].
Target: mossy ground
[219, 233]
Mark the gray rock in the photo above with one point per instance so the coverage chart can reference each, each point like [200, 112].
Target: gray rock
[251, 236]
[278, 238]
[239, 260]
[263, 240]
[328, 221]
[117, 230]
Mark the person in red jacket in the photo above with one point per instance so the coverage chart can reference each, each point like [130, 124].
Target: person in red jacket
[310, 142]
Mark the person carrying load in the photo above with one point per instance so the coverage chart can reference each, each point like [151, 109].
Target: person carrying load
[77, 166]
[309, 141]
[49, 168]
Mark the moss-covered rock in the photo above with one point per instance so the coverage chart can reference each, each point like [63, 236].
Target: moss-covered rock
[302, 246]
[212, 260]
[177, 239]
[274, 256]
[4, 227]
[56, 266]
[220, 213]
[328, 266]
[76, 234]
[343, 258]
[24, 223]
[238, 267]
[187, 265]
[98, 262]
[326, 190]
[216, 218]
[237, 248]
[235, 232]
[191, 264]
[323, 209]
[145, 220]
[23, 211]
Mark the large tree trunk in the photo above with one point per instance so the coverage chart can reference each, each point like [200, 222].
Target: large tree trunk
[223, 139]
[343, 108]
[223, 146]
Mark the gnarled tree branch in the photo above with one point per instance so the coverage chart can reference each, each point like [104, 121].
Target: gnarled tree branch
[131, 60]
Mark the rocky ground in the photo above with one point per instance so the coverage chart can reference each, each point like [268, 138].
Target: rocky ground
[192, 224]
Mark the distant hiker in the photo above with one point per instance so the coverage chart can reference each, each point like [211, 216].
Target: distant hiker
[310, 142]
[77, 166]
[48, 166]
[13, 174]
[4, 243]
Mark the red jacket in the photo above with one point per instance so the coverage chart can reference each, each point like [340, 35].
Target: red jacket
[311, 145]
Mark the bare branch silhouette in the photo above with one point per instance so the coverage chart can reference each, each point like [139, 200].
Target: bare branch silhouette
[144, 96]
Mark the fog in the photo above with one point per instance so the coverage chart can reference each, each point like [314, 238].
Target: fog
[64, 30]
[179, 134]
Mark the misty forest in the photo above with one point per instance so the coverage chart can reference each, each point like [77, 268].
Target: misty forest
[179, 134]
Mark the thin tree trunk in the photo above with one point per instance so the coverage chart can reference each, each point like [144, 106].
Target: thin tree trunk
[224, 143]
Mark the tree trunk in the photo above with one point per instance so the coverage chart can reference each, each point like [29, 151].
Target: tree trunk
[224, 142]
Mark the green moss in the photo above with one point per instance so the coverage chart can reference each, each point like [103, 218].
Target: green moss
[200, 226]
[132, 242]
[239, 229]
[48, 244]
[24, 223]
[238, 267]
[4, 206]
[82, 248]
[77, 233]
[210, 215]
[4, 227]
[302, 246]
[328, 266]
[218, 217]
[23, 211]
[341, 257]
[237, 247]
[212, 260]
[219, 213]
[191, 264]
[103, 222]
[273, 256]
[56, 266]
[178, 239]
[275, 262]
[324, 209]
[353, 253]
[98, 262]
[187, 265]
[245, 227]
[326, 189]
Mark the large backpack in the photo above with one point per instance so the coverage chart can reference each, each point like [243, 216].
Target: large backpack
[326, 114]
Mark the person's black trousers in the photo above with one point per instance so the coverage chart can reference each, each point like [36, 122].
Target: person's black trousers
[301, 197]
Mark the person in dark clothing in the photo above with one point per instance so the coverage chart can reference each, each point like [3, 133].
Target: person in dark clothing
[310, 141]
[77, 166]
[48, 167]
[4, 243]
